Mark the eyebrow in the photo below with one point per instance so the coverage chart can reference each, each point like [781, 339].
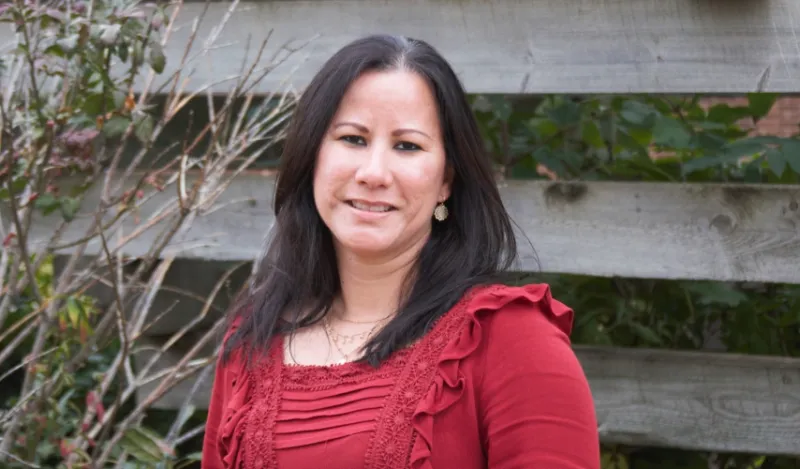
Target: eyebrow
[395, 133]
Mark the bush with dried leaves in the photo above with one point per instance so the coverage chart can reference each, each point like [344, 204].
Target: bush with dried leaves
[76, 101]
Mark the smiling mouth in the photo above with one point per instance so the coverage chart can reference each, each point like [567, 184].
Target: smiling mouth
[379, 208]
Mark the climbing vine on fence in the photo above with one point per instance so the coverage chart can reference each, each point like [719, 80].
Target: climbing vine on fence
[616, 137]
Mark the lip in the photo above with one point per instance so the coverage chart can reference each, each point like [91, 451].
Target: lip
[371, 203]
[368, 201]
[367, 214]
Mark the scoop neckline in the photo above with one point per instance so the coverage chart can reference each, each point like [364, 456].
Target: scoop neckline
[352, 365]
[359, 365]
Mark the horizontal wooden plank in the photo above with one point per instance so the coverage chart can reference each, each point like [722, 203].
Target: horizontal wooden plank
[695, 401]
[721, 232]
[688, 400]
[513, 46]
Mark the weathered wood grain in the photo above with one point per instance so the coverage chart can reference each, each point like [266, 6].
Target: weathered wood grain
[687, 400]
[512, 46]
[629, 229]
[695, 401]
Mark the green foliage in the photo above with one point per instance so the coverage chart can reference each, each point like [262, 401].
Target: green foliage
[746, 318]
[616, 137]
[50, 431]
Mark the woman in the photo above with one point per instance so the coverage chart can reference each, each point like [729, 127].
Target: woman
[377, 334]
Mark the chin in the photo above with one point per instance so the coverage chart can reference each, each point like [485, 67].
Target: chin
[364, 243]
[365, 246]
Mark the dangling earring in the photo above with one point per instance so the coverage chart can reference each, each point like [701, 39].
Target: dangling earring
[440, 212]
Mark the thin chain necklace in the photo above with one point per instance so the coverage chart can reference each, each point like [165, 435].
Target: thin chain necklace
[364, 322]
[336, 338]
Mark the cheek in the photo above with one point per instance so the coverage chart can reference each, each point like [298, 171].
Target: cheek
[330, 174]
[425, 181]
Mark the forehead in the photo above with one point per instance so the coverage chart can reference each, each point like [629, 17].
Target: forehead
[398, 93]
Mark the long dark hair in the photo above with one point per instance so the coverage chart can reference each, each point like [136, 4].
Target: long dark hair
[298, 276]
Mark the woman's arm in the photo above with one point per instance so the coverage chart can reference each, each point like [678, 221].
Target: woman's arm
[537, 406]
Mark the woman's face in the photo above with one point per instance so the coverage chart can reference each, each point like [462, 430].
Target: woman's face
[381, 166]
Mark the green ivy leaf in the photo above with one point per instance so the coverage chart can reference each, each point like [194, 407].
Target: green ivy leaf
[590, 133]
[752, 171]
[631, 143]
[725, 114]
[729, 153]
[776, 161]
[545, 128]
[699, 164]
[642, 136]
[639, 114]
[566, 114]
[743, 148]
[669, 132]
[710, 125]
[500, 107]
[761, 103]
[716, 293]
[791, 153]
[710, 143]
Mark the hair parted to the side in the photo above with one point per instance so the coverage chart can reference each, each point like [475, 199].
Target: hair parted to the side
[298, 276]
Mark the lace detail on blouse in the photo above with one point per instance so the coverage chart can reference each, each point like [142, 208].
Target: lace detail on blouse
[260, 429]
[299, 405]
[393, 441]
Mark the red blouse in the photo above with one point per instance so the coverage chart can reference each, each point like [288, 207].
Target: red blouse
[495, 384]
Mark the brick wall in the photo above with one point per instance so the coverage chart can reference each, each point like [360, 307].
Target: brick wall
[782, 121]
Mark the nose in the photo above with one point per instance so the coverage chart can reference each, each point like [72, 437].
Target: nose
[374, 170]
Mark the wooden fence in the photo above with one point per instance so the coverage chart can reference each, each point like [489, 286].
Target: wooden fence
[698, 400]
[691, 400]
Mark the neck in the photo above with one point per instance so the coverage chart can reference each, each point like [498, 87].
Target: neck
[370, 288]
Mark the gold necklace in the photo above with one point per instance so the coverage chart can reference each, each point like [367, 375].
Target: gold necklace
[340, 318]
[335, 337]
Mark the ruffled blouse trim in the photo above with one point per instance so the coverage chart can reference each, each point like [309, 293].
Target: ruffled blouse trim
[448, 381]
[238, 404]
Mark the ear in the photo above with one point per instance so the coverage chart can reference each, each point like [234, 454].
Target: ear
[447, 184]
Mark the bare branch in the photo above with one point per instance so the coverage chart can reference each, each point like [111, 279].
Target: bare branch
[125, 177]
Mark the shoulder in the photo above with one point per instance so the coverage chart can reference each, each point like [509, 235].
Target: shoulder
[534, 402]
[514, 313]
[519, 330]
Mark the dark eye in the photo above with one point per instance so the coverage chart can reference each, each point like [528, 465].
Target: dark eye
[353, 139]
[407, 146]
